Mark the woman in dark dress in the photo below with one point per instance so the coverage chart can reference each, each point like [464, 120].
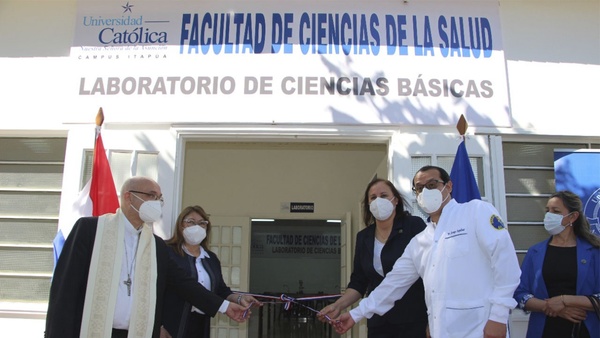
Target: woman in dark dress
[389, 229]
[189, 248]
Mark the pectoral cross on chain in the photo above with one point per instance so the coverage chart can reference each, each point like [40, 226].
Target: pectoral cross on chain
[128, 283]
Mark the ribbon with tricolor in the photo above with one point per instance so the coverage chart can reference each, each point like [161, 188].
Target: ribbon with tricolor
[287, 301]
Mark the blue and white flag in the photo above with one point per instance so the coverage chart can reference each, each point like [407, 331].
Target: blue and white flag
[579, 171]
[464, 185]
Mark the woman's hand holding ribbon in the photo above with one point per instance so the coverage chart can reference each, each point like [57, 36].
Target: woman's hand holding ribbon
[343, 323]
[248, 301]
[328, 312]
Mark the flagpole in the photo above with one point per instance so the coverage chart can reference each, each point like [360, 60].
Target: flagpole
[99, 122]
[462, 126]
[99, 117]
[464, 186]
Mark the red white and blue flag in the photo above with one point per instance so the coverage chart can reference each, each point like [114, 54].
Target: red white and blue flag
[98, 196]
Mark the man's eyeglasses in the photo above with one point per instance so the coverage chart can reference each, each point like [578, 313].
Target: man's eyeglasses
[191, 221]
[151, 195]
[431, 184]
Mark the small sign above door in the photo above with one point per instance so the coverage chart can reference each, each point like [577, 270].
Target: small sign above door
[302, 207]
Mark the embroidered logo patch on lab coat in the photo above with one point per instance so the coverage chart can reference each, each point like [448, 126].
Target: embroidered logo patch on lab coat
[496, 222]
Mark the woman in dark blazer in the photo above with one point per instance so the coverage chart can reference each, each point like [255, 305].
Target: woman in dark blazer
[189, 248]
[389, 229]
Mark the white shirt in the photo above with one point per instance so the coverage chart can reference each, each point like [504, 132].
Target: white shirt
[203, 276]
[124, 301]
[377, 248]
[469, 269]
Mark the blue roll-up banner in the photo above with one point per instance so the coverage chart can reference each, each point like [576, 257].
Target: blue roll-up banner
[579, 172]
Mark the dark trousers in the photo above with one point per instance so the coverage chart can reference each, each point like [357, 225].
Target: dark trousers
[196, 326]
[118, 333]
[411, 330]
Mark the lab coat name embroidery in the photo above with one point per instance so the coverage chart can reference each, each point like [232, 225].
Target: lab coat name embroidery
[454, 233]
[496, 222]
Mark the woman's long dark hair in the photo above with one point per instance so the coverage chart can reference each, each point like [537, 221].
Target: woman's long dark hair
[368, 218]
[581, 226]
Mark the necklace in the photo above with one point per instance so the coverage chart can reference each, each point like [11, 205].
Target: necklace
[129, 268]
[382, 235]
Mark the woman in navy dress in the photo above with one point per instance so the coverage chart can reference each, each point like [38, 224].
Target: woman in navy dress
[389, 229]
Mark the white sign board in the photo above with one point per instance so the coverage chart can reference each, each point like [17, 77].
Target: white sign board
[341, 62]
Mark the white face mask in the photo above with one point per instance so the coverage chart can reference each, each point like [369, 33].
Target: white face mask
[150, 211]
[194, 234]
[553, 223]
[381, 208]
[430, 200]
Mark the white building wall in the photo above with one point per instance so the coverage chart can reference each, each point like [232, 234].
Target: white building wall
[552, 51]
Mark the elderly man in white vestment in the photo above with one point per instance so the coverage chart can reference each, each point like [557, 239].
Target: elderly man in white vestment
[113, 272]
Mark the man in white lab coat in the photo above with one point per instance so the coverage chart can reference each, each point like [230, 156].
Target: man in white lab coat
[467, 261]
